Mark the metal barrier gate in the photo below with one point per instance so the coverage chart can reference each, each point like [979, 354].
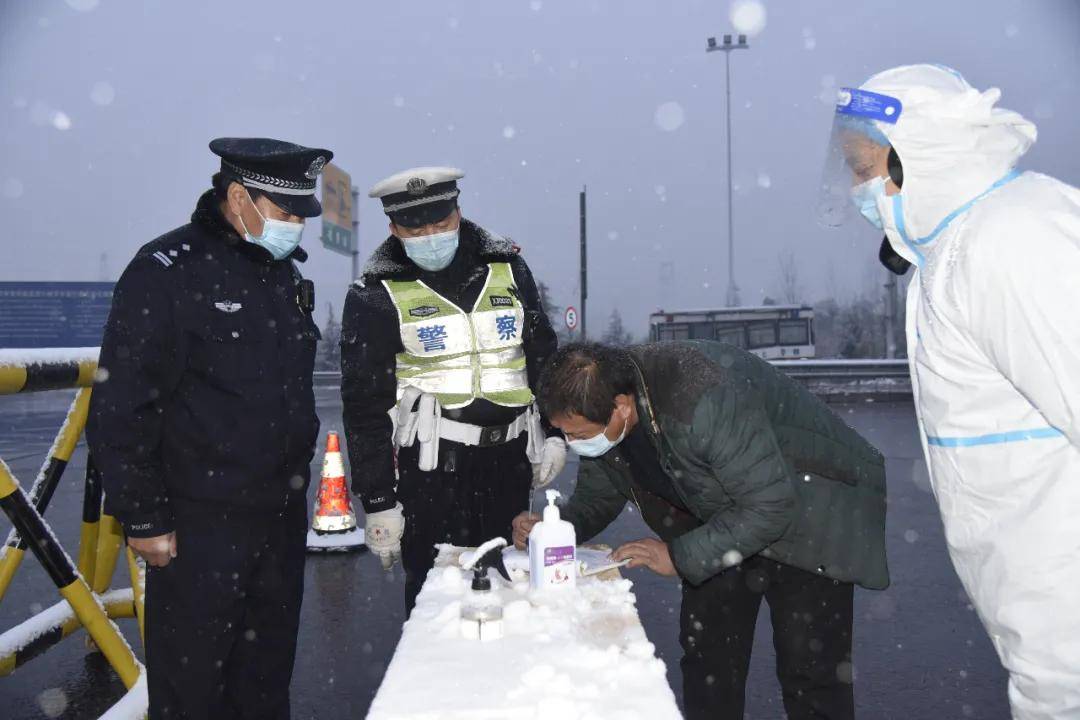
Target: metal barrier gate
[84, 586]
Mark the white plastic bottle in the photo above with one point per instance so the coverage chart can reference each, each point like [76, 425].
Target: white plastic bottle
[552, 550]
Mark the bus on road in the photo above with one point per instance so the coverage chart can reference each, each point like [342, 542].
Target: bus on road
[772, 332]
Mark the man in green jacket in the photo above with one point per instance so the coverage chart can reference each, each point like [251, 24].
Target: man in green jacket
[755, 489]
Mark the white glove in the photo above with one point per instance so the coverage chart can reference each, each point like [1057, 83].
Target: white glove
[383, 532]
[552, 462]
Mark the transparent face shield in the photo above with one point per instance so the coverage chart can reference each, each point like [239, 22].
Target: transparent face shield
[857, 155]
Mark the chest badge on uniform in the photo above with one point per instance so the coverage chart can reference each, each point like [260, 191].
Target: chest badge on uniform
[501, 301]
[423, 311]
[228, 306]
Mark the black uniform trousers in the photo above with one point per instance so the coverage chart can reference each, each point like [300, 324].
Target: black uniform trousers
[222, 617]
[811, 621]
[472, 496]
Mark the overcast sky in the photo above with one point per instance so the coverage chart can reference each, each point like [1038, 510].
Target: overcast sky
[106, 108]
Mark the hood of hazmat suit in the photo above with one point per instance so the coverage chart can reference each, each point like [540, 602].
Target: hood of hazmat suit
[994, 344]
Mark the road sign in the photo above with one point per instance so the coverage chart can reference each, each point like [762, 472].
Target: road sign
[571, 319]
[53, 314]
[337, 215]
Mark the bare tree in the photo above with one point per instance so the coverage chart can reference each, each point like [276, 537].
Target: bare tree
[790, 291]
[616, 333]
[554, 313]
[329, 349]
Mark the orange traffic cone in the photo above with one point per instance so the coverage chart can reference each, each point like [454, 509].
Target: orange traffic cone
[334, 524]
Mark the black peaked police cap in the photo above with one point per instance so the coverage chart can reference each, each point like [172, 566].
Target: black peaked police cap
[284, 171]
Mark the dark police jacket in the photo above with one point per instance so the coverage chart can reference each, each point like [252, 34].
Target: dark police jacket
[371, 338]
[759, 464]
[204, 391]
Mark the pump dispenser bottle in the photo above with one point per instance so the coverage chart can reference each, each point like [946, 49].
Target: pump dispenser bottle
[481, 608]
[552, 550]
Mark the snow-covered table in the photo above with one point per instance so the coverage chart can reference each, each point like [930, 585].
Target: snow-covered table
[585, 657]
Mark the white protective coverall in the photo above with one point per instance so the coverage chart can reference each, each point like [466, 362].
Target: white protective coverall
[994, 341]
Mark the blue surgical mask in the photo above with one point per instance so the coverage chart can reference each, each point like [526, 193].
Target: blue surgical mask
[597, 445]
[432, 252]
[865, 195]
[278, 237]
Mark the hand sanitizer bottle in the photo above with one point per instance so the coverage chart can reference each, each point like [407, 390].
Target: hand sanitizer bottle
[552, 550]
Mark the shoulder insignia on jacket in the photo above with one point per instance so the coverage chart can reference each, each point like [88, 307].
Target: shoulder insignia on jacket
[164, 259]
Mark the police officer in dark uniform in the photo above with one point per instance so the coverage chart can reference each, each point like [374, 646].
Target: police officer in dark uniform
[203, 425]
[442, 342]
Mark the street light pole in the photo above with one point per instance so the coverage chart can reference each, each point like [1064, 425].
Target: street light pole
[726, 48]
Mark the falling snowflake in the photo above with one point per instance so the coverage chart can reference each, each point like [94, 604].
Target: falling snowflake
[53, 702]
[763, 180]
[102, 93]
[670, 116]
[61, 121]
[748, 16]
[399, 101]
[509, 132]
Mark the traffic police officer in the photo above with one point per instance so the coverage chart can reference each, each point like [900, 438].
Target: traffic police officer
[203, 424]
[442, 340]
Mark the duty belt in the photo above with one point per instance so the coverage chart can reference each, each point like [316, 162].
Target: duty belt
[427, 426]
[478, 436]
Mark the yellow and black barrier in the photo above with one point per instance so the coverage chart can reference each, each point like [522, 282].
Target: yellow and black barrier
[120, 605]
[48, 479]
[61, 571]
[35, 371]
[89, 602]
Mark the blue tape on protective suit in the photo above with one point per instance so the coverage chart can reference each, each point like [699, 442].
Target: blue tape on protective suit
[995, 438]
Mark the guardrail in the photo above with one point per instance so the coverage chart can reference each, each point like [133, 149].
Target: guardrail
[834, 370]
[844, 369]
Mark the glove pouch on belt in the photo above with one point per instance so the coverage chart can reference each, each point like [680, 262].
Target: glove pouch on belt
[405, 420]
[427, 431]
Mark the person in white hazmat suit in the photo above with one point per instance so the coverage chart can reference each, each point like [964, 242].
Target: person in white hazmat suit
[994, 347]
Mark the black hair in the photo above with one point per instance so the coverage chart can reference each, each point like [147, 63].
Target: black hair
[583, 379]
[896, 169]
[221, 182]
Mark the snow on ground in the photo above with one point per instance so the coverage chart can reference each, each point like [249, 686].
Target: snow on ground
[576, 656]
[335, 541]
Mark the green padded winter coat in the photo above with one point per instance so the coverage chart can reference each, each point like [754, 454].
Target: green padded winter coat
[762, 466]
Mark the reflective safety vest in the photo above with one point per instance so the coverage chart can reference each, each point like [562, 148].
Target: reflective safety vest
[460, 356]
